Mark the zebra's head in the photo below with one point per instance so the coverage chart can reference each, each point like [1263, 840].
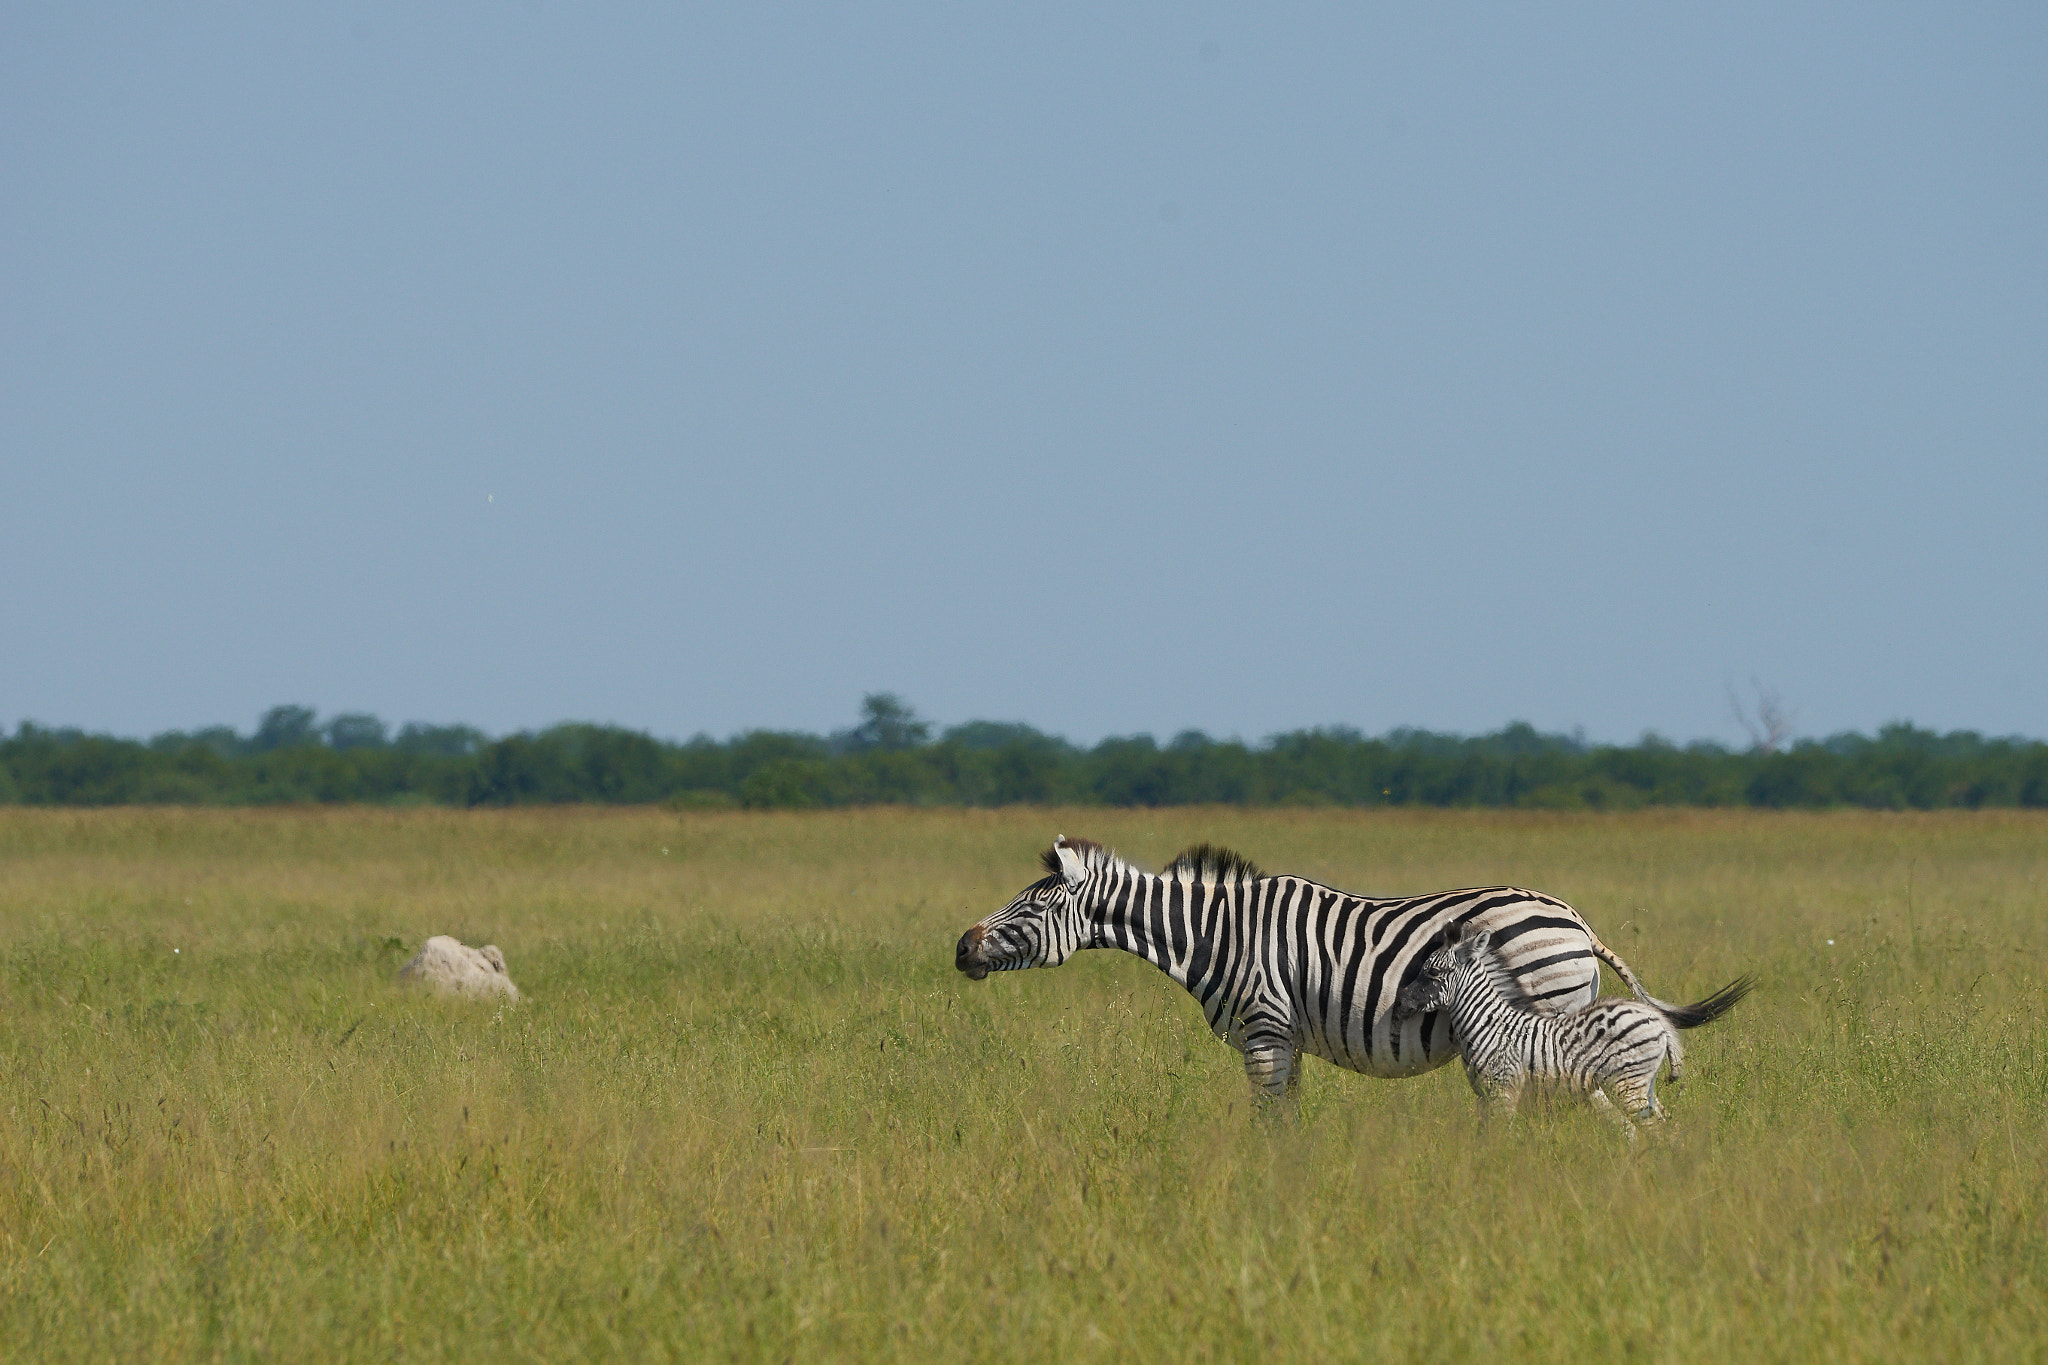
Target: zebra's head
[1040, 928]
[1433, 985]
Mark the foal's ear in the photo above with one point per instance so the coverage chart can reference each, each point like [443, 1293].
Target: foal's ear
[1476, 941]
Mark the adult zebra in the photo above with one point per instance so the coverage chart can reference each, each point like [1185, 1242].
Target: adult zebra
[1283, 965]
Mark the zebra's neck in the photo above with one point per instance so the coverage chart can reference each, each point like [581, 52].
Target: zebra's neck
[1175, 924]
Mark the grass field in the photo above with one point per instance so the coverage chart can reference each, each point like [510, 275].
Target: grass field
[749, 1111]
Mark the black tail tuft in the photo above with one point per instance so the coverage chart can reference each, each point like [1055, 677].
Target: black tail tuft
[1711, 1008]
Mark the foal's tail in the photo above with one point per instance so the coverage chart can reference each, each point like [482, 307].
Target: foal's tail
[1709, 1009]
[1692, 1016]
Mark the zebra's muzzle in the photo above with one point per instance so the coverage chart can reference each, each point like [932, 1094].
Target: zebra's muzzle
[967, 957]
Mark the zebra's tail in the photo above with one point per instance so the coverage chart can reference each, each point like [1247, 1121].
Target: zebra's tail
[1683, 1016]
[1622, 970]
[1711, 1008]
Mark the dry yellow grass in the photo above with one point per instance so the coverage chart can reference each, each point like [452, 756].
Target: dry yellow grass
[749, 1111]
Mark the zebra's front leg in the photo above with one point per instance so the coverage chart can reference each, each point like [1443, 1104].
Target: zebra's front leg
[1273, 1071]
[1499, 1097]
[1498, 1084]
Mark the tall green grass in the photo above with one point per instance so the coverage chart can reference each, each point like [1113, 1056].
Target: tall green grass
[747, 1109]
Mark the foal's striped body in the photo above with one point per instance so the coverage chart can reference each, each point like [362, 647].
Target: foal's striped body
[1609, 1051]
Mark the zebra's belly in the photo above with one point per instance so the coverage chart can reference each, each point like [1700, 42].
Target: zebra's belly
[1405, 1048]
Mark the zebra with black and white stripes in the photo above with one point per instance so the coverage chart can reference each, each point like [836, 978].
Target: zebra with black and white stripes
[1612, 1045]
[1283, 965]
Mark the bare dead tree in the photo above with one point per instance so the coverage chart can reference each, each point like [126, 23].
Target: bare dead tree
[1768, 723]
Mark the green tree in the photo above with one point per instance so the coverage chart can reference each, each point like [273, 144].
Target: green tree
[889, 725]
[355, 731]
[284, 727]
[451, 741]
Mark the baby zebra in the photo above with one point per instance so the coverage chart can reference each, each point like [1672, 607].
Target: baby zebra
[1612, 1044]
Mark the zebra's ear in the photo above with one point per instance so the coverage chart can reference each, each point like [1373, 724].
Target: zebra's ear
[1072, 871]
[1476, 942]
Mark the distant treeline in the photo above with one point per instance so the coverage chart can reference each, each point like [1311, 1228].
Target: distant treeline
[891, 757]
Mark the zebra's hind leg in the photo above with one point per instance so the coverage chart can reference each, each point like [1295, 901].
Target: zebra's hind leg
[1638, 1096]
[1653, 1108]
[1598, 1099]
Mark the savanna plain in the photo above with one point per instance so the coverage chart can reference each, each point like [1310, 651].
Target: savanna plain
[747, 1110]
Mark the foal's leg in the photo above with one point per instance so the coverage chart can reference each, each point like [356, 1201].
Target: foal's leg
[1598, 1099]
[1498, 1099]
[1638, 1095]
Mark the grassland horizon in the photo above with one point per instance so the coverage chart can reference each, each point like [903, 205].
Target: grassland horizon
[747, 1110]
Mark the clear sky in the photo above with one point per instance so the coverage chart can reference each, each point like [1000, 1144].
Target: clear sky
[1110, 368]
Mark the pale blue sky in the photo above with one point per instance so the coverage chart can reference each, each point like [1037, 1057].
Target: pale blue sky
[1107, 368]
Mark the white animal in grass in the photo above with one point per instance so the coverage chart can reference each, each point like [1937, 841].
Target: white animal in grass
[448, 967]
[1613, 1047]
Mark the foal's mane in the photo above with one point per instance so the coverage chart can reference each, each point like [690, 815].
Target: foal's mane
[1511, 990]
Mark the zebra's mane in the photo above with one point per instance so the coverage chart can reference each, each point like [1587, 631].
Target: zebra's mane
[1213, 864]
[1091, 854]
